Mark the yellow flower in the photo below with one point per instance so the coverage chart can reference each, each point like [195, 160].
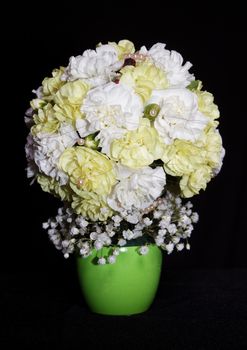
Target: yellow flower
[124, 47]
[206, 103]
[71, 93]
[193, 163]
[213, 146]
[182, 157]
[144, 78]
[92, 206]
[64, 107]
[207, 106]
[68, 101]
[48, 184]
[88, 170]
[138, 148]
[52, 85]
[196, 181]
[45, 121]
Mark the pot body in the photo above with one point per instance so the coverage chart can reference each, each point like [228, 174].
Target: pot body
[126, 287]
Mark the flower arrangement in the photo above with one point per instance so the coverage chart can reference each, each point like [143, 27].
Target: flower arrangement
[123, 137]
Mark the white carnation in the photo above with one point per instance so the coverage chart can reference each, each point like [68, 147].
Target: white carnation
[137, 189]
[44, 150]
[95, 67]
[179, 117]
[218, 169]
[172, 63]
[112, 109]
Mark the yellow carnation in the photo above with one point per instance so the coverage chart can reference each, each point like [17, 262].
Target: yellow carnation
[68, 101]
[52, 85]
[144, 78]
[196, 181]
[92, 206]
[88, 170]
[48, 184]
[138, 148]
[213, 146]
[206, 104]
[194, 163]
[123, 48]
[71, 93]
[182, 157]
[65, 107]
[45, 120]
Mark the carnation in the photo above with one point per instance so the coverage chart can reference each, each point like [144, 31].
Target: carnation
[123, 137]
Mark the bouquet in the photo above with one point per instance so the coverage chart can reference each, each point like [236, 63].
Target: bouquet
[123, 138]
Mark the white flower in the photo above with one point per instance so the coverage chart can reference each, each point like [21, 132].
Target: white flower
[166, 219]
[117, 219]
[51, 232]
[179, 117]
[45, 225]
[93, 235]
[189, 205]
[137, 189]
[157, 214]
[81, 222]
[111, 259]
[180, 246]
[65, 243]
[60, 211]
[187, 246]
[85, 249]
[121, 242]
[98, 244]
[123, 250]
[185, 220]
[128, 234]
[53, 224]
[112, 109]
[169, 247]
[162, 232]
[147, 221]
[159, 240]
[187, 232]
[116, 252]
[195, 217]
[144, 250]
[178, 201]
[95, 67]
[111, 233]
[175, 239]
[74, 231]
[172, 63]
[133, 218]
[101, 261]
[172, 228]
[137, 233]
[222, 155]
[45, 150]
[29, 117]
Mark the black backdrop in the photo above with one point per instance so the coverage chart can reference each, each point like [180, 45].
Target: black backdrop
[33, 44]
[196, 308]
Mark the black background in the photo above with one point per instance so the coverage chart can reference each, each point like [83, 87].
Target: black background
[33, 43]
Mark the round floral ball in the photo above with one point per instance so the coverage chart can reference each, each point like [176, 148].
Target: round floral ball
[118, 128]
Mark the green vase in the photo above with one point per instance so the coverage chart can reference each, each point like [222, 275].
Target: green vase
[126, 287]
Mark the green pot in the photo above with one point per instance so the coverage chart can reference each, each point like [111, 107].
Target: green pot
[126, 287]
